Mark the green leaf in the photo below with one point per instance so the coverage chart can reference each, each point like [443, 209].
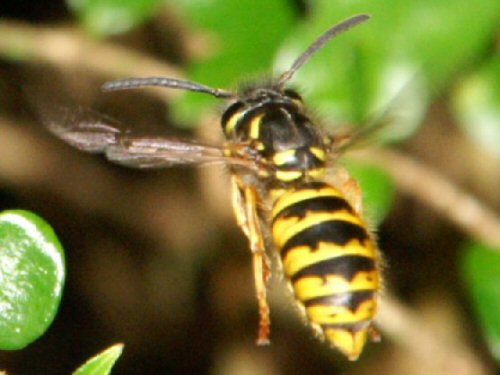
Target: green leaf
[476, 103]
[377, 188]
[240, 39]
[32, 274]
[108, 17]
[102, 363]
[481, 272]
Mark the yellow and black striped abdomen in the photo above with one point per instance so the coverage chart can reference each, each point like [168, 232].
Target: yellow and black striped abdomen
[330, 260]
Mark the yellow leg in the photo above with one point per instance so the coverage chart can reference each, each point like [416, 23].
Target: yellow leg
[238, 206]
[245, 208]
[260, 264]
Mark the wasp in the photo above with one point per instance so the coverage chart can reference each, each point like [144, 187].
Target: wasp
[286, 187]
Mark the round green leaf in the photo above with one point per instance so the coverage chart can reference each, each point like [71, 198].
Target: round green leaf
[32, 276]
[102, 363]
[481, 272]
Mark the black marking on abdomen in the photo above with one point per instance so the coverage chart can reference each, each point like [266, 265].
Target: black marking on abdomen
[352, 327]
[344, 266]
[351, 299]
[317, 204]
[338, 232]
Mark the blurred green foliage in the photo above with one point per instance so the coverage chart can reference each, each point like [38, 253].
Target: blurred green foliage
[477, 105]
[240, 42]
[409, 48]
[32, 274]
[377, 189]
[101, 363]
[481, 272]
[108, 17]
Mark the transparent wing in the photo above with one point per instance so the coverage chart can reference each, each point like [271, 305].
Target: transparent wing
[95, 133]
[396, 119]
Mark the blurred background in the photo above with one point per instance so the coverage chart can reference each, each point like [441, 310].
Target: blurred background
[155, 259]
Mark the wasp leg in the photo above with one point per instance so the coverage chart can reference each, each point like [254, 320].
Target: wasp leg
[260, 263]
[245, 208]
[238, 206]
[374, 334]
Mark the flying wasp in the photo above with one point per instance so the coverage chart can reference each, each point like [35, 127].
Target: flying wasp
[275, 154]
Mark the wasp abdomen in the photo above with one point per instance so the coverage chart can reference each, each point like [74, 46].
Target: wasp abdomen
[330, 260]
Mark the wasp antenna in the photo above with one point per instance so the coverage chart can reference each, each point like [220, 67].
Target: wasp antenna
[133, 83]
[320, 42]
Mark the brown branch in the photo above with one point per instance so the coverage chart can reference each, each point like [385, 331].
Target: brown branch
[432, 188]
[440, 354]
[69, 48]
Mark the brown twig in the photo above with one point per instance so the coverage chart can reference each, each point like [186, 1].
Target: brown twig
[439, 354]
[432, 188]
[67, 47]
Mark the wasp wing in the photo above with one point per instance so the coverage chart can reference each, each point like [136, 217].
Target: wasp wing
[95, 133]
[164, 152]
[396, 118]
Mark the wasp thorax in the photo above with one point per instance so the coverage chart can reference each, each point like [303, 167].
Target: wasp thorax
[277, 122]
